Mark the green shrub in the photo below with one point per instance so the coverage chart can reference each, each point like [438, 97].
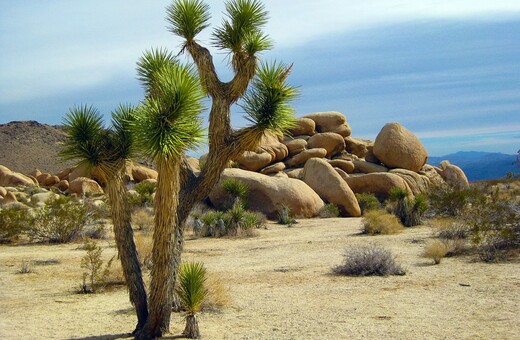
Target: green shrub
[285, 216]
[92, 263]
[13, 223]
[329, 210]
[367, 202]
[61, 220]
[238, 192]
[409, 210]
[379, 222]
[366, 260]
[447, 201]
[145, 190]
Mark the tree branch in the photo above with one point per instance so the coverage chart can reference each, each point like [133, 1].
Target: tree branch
[208, 75]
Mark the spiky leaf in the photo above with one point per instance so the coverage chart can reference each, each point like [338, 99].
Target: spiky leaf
[191, 289]
[187, 18]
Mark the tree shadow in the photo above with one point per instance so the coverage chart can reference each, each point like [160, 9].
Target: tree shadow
[105, 337]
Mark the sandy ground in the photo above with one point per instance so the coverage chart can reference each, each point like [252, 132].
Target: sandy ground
[281, 287]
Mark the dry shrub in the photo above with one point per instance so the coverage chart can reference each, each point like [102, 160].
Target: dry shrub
[457, 247]
[435, 250]
[367, 260]
[143, 219]
[378, 222]
[449, 228]
[329, 210]
[218, 295]
[144, 245]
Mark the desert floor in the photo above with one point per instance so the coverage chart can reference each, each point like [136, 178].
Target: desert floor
[280, 287]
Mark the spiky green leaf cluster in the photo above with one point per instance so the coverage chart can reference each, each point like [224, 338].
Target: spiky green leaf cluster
[188, 18]
[267, 102]
[242, 32]
[191, 289]
[149, 65]
[91, 145]
[167, 122]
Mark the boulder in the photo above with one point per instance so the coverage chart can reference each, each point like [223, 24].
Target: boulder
[346, 156]
[357, 146]
[347, 166]
[304, 126]
[397, 147]
[330, 141]
[418, 183]
[140, 173]
[277, 151]
[295, 146]
[304, 156]
[433, 175]
[294, 173]
[453, 175]
[194, 165]
[11, 178]
[35, 173]
[9, 198]
[79, 171]
[330, 186]
[63, 185]
[273, 169]
[64, 174]
[268, 194]
[42, 198]
[51, 181]
[379, 183]
[367, 167]
[83, 185]
[330, 122]
[3, 192]
[254, 161]
[342, 173]
[370, 157]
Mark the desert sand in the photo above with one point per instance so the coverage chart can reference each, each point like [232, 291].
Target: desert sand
[280, 287]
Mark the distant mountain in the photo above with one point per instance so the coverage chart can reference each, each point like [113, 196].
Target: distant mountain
[27, 145]
[480, 165]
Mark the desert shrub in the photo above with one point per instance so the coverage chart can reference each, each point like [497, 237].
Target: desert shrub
[379, 222]
[435, 250]
[495, 227]
[237, 189]
[218, 295]
[25, 267]
[236, 216]
[456, 247]
[329, 210]
[143, 219]
[450, 228]
[409, 210]
[61, 220]
[285, 216]
[145, 190]
[445, 200]
[192, 292]
[93, 263]
[367, 260]
[367, 202]
[13, 223]
[144, 245]
[214, 223]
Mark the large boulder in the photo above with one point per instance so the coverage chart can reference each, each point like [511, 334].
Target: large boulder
[304, 156]
[269, 194]
[367, 167]
[304, 126]
[453, 175]
[433, 174]
[378, 183]
[64, 174]
[418, 183]
[294, 173]
[63, 185]
[273, 169]
[330, 186]
[11, 178]
[83, 185]
[254, 161]
[3, 192]
[8, 198]
[194, 165]
[347, 166]
[295, 146]
[330, 122]
[330, 141]
[357, 146]
[397, 147]
[140, 173]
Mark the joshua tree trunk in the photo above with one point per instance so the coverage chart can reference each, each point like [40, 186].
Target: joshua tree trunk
[191, 330]
[126, 247]
[161, 285]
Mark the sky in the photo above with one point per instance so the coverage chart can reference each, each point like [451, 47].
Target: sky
[448, 70]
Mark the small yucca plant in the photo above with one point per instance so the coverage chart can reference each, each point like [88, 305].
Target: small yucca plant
[192, 293]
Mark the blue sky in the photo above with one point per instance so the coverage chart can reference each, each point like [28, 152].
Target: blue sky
[447, 70]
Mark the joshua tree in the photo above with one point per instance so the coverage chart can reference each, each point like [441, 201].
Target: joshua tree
[105, 153]
[192, 293]
[167, 124]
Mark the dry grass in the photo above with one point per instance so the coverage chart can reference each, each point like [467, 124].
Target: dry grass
[218, 294]
[435, 250]
[142, 219]
[379, 222]
[144, 245]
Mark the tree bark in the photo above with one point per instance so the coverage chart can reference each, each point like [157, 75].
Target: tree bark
[124, 237]
[161, 285]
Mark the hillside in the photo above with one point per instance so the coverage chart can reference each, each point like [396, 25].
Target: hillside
[28, 145]
[480, 165]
